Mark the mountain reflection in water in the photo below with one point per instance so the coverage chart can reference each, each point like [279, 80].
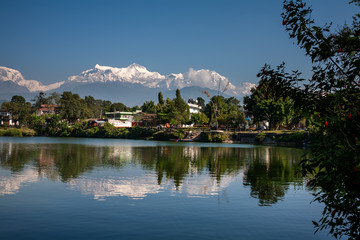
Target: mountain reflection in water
[138, 171]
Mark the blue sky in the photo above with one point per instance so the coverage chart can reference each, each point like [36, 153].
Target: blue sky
[49, 41]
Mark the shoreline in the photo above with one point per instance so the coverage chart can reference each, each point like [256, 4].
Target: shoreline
[297, 139]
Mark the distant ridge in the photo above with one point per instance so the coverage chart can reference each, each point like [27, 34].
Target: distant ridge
[131, 85]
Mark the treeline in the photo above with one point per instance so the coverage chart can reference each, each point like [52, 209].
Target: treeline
[70, 108]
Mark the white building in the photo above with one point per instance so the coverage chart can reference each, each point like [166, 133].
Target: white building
[193, 106]
[121, 119]
[5, 117]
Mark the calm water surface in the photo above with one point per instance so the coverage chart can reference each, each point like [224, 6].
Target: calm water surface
[69, 188]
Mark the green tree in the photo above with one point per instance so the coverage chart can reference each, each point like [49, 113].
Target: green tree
[181, 110]
[148, 107]
[40, 99]
[201, 102]
[213, 109]
[19, 108]
[119, 107]
[38, 123]
[330, 101]
[161, 99]
[267, 104]
[72, 107]
[224, 111]
[175, 111]
[199, 118]
[166, 113]
[54, 98]
[105, 105]
[93, 106]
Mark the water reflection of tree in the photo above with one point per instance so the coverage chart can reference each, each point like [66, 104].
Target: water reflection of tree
[269, 173]
[266, 170]
[178, 162]
[14, 156]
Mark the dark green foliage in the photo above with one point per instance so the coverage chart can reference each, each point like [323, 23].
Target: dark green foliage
[140, 133]
[120, 107]
[179, 134]
[175, 112]
[161, 99]
[260, 137]
[296, 137]
[20, 109]
[72, 107]
[216, 137]
[94, 107]
[201, 102]
[330, 102]
[199, 118]
[267, 104]
[161, 135]
[148, 107]
[224, 111]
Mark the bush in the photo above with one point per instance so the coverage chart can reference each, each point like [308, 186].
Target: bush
[163, 136]
[296, 137]
[139, 132]
[260, 137]
[216, 137]
[179, 134]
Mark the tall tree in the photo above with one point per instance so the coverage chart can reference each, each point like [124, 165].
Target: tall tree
[118, 106]
[40, 99]
[266, 103]
[72, 107]
[182, 113]
[94, 108]
[330, 100]
[175, 111]
[201, 102]
[161, 99]
[148, 107]
[224, 111]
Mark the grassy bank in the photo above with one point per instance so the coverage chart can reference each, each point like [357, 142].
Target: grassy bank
[17, 132]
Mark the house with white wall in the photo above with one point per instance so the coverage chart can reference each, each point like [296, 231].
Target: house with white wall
[122, 119]
[5, 117]
[194, 108]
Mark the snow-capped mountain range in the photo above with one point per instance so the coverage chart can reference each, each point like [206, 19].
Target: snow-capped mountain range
[134, 75]
[12, 75]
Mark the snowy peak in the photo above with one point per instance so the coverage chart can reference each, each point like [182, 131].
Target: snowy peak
[12, 75]
[8, 74]
[132, 74]
[136, 74]
[137, 67]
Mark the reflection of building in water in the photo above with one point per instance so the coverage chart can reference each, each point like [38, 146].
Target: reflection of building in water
[13, 182]
[260, 154]
[121, 153]
[192, 153]
[47, 164]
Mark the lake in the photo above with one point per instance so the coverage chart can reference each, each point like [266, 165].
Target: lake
[74, 188]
